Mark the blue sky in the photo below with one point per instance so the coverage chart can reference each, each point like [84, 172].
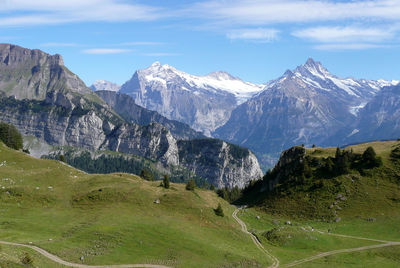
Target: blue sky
[256, 40]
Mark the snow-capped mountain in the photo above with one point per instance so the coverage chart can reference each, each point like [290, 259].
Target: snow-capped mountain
[380, 118]
[105, 85]
[203, 102]
[304, 106]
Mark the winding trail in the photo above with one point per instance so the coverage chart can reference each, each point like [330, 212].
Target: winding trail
[275, 261]
[383, 243]
[324, 254]
[71, 264]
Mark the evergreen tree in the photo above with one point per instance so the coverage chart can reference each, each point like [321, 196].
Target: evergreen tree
[166, 182]
[219, 211]
[370, 159]
[62, 158]
[11, 136]
[147, 175]
[190, 185]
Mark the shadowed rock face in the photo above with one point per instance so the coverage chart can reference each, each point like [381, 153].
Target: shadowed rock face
[31, 74]
[125, 106]
[203, 102]
[228, 164]
[380, 118]
[42, 98]
[305, 106]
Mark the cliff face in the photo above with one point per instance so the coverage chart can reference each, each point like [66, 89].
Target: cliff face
[125, 106]
[31, 74]
[227, 164]
[42, 98]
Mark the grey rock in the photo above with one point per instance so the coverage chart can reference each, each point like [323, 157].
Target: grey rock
[201, 102]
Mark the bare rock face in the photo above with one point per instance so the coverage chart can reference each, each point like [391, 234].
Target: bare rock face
[125, 106]
[307, 105]
[227, 164]
[203, 102]
[153, 141]
[31, 74]
[42, 98]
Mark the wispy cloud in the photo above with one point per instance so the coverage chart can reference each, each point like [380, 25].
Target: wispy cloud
[349, 37]
[346, 34]
[256, 35]
[266, 12]
[105, 51]
[160, 54]
[45, 12]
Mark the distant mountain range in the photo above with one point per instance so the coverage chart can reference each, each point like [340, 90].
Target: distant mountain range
[105, 85]
[203, 102]
[307, 105]
[44, 99]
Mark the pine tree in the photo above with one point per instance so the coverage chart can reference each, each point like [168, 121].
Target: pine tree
[11, 136]
[219, 211]
[370, 159]
[166, 182]
[190, 185]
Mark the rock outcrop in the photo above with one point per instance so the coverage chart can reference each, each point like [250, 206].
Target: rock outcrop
[125, 106]
[223, 162]
[42, 98]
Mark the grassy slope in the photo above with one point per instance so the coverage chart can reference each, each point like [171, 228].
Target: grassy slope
[111, 219]
[375, 194]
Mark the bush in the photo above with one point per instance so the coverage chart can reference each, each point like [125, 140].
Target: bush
[370, 159]
[166, 182]
[62, 158]
[190, 185]
[27, 259]
[147, 175]
[219, 211]
[10, 135]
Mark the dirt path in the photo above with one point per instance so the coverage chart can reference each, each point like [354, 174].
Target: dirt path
[275, 261]
[324, 254]
[71, 264]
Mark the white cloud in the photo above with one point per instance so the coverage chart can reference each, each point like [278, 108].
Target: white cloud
[44, 12]
[258, 35]
[266, 12]
[105, 51]
[346, 34]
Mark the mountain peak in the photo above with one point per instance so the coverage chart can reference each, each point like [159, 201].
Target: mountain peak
[220, 75]
[156, 64]
[312, 67]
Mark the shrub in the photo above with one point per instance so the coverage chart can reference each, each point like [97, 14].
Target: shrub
[166, 182]
[190, 185]
[219, 211]
[370, 159]
[147, 175]
[27, 259]
[61, 158]
[10, 135]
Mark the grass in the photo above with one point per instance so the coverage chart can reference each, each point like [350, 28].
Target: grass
[370, 209]
[112, 219]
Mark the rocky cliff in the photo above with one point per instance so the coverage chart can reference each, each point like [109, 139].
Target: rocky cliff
[203, 102]
[42, 98]
[125, 106]
[226, 162]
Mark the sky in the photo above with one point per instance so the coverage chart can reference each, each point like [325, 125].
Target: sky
[256, 40]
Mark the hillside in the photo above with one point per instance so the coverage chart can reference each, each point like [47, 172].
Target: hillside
[113, 219]
[330, 184]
